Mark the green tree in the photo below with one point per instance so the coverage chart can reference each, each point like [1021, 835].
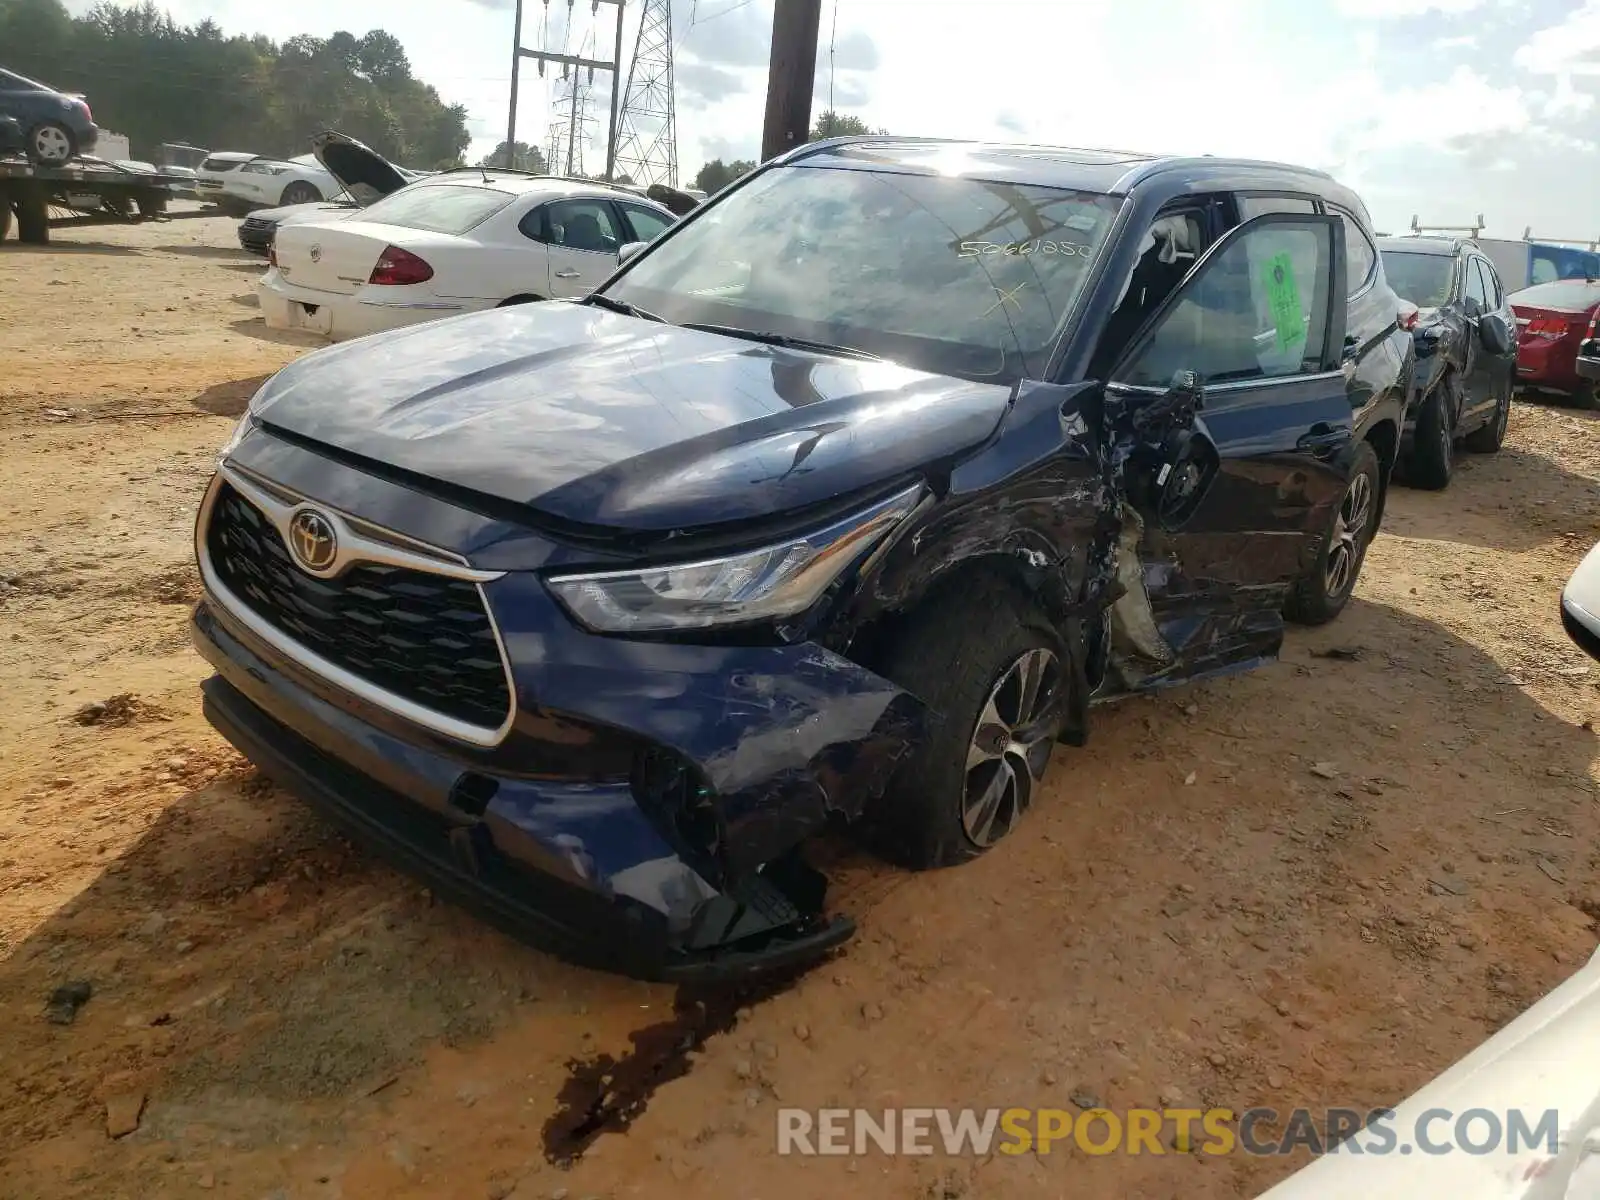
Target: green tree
[156, 81]
[837, 124]
[716, 174]
[524, 158]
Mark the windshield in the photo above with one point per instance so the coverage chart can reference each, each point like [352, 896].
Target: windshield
[1423, 279]
[957, 276]
[442, 208]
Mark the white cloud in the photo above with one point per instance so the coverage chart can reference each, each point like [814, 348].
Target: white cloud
[1566, 48]
[1388, 10]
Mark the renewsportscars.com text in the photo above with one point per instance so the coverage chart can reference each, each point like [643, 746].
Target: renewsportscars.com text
[1216, 1131]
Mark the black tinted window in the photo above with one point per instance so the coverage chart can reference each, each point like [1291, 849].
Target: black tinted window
[1360, 254]
[1475, 287]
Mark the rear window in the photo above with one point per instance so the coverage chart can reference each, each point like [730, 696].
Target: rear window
[1566, 295]
[1423, 279]
[442, 208]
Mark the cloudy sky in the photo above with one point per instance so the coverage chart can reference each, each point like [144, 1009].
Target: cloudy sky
[1438, 108]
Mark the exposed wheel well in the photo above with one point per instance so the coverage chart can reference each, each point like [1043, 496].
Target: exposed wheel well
[1384, 438]
[524, 298]
[875, 641]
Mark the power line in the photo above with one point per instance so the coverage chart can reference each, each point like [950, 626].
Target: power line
[833, 38]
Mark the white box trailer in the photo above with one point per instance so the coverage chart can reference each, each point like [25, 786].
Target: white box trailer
[1523, 263]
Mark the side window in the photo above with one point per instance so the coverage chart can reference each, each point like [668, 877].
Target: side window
[1360, 254]
[532, 223]
[1258, 309]
[1476, 291]
[582, 225]
[1257, 205]
[1492, 296]
[647, 225]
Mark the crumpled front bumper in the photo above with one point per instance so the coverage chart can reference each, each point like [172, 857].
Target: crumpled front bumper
[582, 866]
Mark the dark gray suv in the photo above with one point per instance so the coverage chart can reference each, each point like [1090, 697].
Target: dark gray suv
[56, 126]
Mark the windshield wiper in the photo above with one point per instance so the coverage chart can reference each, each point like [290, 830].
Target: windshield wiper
[612, 304]
[789, 342]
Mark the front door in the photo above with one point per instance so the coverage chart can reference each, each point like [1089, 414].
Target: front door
[582, 238]
[1487, 373]
[1256, 324]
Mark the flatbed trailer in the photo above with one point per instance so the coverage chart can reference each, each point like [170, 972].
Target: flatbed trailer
[28, 192]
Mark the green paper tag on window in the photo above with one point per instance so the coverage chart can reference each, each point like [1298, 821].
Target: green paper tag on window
[1284, 297]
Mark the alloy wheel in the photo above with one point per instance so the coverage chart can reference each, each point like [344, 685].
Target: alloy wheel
[50, 144]
[1344, 555]
[1011, 746]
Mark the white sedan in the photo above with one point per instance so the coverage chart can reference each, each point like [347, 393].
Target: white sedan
[272, 182]
[460, 241]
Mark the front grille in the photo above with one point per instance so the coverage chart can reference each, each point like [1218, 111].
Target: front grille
[426, 638]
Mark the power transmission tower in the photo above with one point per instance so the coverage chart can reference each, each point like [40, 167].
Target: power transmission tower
[572, 63]
[647, 132]
[570, 123]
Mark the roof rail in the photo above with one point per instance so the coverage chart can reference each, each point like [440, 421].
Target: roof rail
[1474, 231]
[1587, 243]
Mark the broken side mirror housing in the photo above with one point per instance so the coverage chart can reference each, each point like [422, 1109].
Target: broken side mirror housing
[628, 249]
[1174, 461]
[1495, 333]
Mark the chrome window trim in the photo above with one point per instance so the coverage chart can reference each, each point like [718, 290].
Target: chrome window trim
[358, 541]
[1232, 385]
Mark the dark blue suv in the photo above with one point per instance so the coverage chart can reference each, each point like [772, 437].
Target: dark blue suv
[844, 500]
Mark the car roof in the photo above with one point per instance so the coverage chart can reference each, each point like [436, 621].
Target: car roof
[1112, 172]
[1414, 244]
[520, 183]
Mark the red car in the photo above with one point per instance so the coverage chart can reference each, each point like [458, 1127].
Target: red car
[1557, 349]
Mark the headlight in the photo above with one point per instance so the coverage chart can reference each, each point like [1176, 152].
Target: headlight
[245, 425]
[766, 584]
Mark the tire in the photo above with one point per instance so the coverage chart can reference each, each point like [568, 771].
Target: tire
[1322, 593]
[1584, 398]
[1492, 436]
[299, 192]
[961, 653]
[507, 303]
[1432, 457]
[51, 144]
[151, 203]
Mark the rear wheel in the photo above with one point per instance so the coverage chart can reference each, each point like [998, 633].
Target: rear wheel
[300, 192]
[1433, 442]
[1322, 593]
[51, 143]
[994, 675]
[1493, 435]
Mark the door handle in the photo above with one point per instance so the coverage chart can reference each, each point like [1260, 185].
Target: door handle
[1324, 443]
[569, 274]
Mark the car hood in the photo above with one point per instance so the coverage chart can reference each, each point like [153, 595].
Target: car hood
[353, 164]
[626, 425]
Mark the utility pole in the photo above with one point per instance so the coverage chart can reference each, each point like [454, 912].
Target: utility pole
[516, 63]
[616, 96]
[791, 75]
[647, 129]
[573, 61]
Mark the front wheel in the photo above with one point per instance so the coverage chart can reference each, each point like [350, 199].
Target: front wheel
[1433, 444]
[300, 192]
[994, 676]
[1326, 588]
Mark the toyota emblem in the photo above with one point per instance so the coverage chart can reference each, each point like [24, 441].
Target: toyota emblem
[313, 540]
[316, 253]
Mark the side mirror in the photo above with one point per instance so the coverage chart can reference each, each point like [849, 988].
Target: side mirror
[628, 249]
[1495, 334]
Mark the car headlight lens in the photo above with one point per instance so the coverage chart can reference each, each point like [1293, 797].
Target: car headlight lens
[759, 585]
